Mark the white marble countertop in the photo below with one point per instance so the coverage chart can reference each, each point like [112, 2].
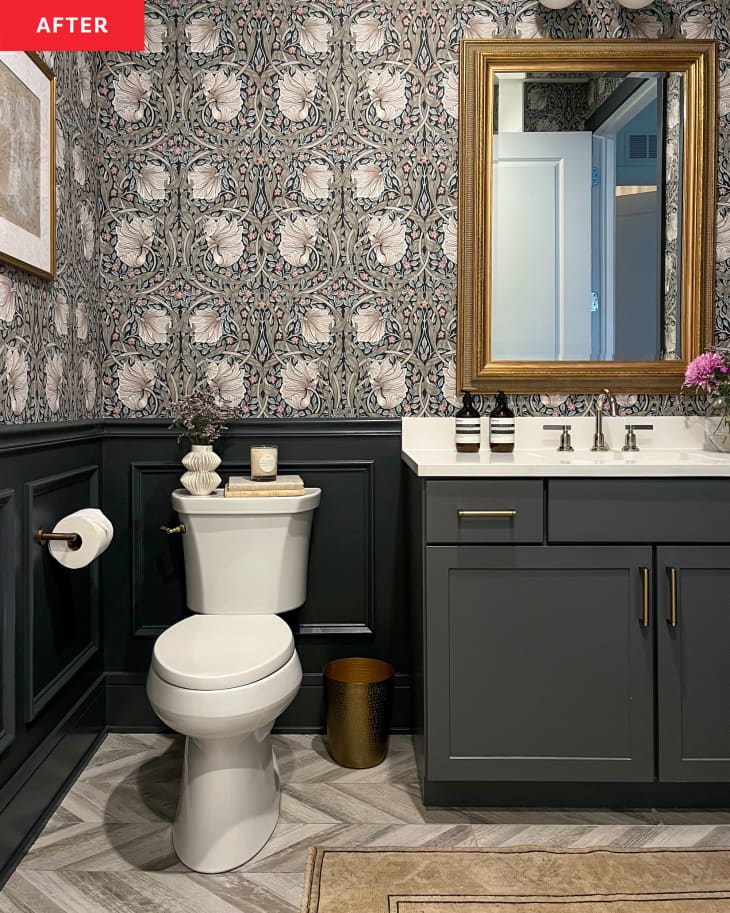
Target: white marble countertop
[673, 448]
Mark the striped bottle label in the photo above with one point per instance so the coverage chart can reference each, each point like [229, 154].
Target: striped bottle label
[502, 430]
[468, 430]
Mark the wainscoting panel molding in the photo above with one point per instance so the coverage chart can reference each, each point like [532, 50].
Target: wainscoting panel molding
[62, 618]
[340, 585]
[7, 618]
[52, 685]
[356, 589]
[341, 581]
[158, 569]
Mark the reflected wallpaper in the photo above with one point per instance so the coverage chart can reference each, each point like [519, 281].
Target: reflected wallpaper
[277, 205]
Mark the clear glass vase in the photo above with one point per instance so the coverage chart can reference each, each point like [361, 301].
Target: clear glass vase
[717, 427]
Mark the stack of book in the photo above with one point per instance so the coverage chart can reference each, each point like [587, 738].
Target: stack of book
[280, 487]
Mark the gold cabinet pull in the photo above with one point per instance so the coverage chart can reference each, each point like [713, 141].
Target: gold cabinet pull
[486, 513]
[672, 572]
[171, 530]
[644, 571]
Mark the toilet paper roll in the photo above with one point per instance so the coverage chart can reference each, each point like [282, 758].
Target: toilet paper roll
[94, 540]
[93, 513]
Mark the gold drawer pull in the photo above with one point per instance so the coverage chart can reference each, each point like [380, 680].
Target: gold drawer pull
[644, 571]
[672, 571]
[465, 514]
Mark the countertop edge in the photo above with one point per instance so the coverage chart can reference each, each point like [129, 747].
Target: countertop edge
[426, 464]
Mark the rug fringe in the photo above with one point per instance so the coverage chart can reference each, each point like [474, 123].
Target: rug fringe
[308, 878]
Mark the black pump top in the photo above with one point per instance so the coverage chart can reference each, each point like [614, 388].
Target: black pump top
[467, 410]
[502, 408]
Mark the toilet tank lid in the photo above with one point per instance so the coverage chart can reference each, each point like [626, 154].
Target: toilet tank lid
[215, 503]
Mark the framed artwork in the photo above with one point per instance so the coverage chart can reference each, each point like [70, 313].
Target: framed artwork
[27, 164]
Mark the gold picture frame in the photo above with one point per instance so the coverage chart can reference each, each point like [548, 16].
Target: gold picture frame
[27, 164]
[479, 61]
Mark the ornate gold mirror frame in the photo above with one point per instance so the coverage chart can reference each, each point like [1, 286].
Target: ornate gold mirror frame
[479, 61]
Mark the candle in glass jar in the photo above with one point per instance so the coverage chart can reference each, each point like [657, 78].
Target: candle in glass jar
[264, 458]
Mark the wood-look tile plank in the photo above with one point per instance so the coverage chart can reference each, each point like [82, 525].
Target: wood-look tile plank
[292, 856]
[108, 849]
[717, 836]
[112, 847]
[285, 887]
[253, 894]
[187, 892]
[60, 819]
[110, 892]
[693, 815]
[561, 816]
[304, 759]
[490, 835]
[20, 896]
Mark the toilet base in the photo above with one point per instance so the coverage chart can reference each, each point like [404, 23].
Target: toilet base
[229, 801]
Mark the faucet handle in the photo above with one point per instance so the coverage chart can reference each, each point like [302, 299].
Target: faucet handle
[630, 442]
[565, 443]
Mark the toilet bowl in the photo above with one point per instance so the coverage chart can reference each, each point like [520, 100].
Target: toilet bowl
[222, 679]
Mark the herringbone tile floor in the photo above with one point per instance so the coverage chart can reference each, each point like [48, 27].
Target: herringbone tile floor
[107, 849]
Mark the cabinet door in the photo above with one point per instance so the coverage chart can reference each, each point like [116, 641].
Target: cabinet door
[539, 666]
[694, 663]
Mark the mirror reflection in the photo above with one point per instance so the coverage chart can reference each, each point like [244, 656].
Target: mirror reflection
[586, 173]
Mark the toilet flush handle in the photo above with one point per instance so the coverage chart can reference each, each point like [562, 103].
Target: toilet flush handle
[171, 530]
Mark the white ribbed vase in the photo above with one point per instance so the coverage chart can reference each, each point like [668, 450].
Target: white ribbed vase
[201, 463]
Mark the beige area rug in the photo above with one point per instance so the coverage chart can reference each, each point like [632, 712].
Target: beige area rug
[517, 880]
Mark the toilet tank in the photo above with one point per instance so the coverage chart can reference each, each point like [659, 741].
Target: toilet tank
[245, 556]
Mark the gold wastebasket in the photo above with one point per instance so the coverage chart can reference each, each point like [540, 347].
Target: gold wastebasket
[359, 695]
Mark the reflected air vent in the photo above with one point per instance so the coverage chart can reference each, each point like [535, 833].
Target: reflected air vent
[642, 146]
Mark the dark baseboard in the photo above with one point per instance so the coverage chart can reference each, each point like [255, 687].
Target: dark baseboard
[34, 792]
[576, 795]
[128, 710]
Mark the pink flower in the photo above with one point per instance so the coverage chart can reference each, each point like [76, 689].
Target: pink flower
[701, 372]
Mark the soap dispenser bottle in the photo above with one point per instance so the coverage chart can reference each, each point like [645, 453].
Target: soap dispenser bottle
[468, 427]
[502, 426]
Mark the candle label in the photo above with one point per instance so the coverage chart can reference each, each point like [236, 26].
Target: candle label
[267, 462]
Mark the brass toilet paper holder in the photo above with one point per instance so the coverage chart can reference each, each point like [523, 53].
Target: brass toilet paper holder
[43, 538]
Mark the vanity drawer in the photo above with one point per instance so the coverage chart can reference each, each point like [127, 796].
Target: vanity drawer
[459, 511]
[638, 510]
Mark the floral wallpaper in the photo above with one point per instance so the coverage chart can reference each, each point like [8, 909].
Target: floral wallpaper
[279, 200]
[277, 209]
[49, 331]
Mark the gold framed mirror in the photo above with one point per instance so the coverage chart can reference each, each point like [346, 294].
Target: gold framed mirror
[587, 182]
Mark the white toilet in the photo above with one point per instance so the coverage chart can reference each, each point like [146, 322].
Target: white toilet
[222, 677]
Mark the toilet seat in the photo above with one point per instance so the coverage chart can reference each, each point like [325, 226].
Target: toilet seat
[218, 652]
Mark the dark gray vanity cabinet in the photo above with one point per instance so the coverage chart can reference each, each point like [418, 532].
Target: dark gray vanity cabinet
[693, 652]
[571, 640]
[539, 663]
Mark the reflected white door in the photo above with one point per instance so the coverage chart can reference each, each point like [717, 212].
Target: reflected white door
[637, 288]
[541, 247]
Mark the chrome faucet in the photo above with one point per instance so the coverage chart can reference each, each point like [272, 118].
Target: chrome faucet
[599, 441]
